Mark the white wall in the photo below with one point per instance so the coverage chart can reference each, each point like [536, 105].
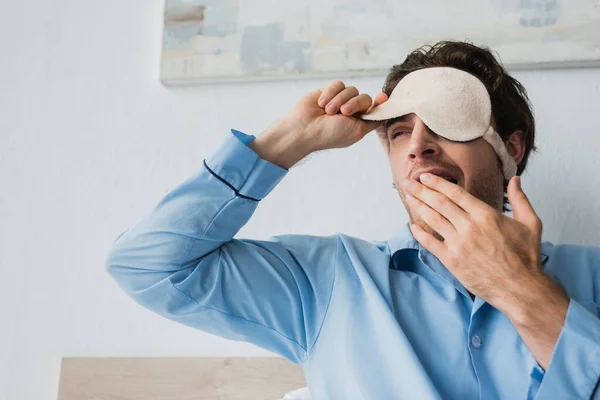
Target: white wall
[90, 141]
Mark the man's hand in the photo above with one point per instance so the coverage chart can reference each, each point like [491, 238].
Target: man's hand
[328, 115]
[494, 256]
[322, 119]
[483, 248]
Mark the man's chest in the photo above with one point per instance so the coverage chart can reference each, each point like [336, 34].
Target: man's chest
[431, 329]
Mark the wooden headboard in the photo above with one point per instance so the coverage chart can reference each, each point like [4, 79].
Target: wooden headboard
[110, 378]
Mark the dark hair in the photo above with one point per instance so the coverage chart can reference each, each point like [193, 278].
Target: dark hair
[511, 108]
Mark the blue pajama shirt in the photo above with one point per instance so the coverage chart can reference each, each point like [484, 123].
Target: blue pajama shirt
[365, 319]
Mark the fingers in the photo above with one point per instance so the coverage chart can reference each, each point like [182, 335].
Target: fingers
[430, 242]
[340, 99]
[362, 103]
[330, 92]
[431, 216]
[457, 194]
[358, 104]
[379, 99]
[521, 206]
[314, 96]
[437, 200]
[336, 97]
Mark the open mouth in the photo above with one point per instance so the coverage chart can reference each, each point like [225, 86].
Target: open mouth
[448, 178]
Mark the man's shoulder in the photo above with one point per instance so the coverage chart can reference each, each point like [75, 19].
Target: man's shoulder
[330, 243]
[576, 267]
[563, 250]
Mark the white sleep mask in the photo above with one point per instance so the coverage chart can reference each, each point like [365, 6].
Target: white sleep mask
[452, 103]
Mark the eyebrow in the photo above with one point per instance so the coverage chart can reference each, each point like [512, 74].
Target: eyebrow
[404, 118]
[392, 121]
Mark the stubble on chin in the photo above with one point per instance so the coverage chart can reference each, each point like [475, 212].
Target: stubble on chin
[414, 218]
[427, 228]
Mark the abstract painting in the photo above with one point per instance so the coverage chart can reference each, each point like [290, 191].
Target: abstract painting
[233, 40]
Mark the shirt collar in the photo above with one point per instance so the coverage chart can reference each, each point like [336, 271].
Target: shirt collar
[403, 240]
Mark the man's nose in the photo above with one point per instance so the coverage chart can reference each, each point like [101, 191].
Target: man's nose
[423, 143]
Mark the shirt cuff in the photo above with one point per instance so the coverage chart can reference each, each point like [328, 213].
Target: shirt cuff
[574, 368]
[243, 169]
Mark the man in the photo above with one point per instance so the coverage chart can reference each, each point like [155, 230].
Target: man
[463, 303]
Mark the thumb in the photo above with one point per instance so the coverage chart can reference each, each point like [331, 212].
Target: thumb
[522, 209]
[374, 125]
[379, 99]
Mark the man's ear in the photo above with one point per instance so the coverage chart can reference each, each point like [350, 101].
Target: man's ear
[516, 146]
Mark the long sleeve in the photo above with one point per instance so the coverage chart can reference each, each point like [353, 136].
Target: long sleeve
[182, 261]
[574, 369]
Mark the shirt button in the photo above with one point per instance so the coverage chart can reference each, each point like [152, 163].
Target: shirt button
[476, 341]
